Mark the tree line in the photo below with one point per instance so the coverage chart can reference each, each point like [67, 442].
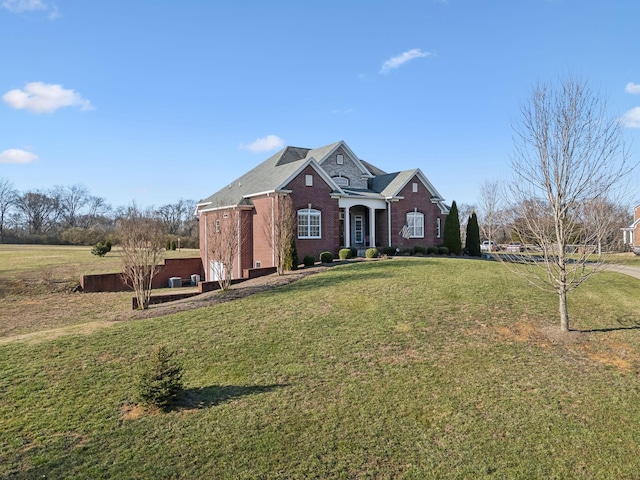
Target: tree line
[71, 215]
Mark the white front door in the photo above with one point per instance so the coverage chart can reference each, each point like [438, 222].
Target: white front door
[358, 226]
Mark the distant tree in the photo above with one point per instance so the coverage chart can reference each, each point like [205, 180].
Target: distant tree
[141, 239]
[73, 200]
[472, 244]
[279, 230]
[569, 155]
[8, 196]
[452, 231]
[490, 209]
[39, 211]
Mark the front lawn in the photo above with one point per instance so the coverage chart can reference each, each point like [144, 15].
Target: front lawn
[404, 368]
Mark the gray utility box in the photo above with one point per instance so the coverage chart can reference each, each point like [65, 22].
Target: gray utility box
[195, 280]
[175, 282]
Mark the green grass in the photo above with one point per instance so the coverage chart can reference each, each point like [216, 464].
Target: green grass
[407, 368]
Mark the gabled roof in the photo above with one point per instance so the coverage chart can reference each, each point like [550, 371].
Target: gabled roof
[278, 170]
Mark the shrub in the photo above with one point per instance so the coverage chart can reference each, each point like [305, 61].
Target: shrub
[391, 251]
[291, 257]
[101, 249]
[371, 253]
[432, 250]
[443, 251]
[407, 251]
[326, 257]
[419, 250]
[160, 379]
[344, 253]
[309, 260]
[354, 252]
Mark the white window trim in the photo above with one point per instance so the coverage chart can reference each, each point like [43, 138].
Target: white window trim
[414, 187]
[438, 227]
[308, 180]
[310, 213]
[412, 226]
[339, 159]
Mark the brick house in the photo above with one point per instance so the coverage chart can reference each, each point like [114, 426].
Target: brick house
[340, 200]
[631, 234]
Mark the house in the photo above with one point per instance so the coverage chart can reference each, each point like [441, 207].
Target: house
[339, 199]
[631, 234]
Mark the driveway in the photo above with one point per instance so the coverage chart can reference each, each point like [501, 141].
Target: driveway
[626, 269]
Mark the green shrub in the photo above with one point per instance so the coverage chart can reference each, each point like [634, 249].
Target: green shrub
[291, 257]
[443, 251]
[160, 379]
[389, 251]
[344, 253]
[326, 257]
[371, 253]
[419, 250]
[432, 250]
[101, 249]
[407, 251]
[309, 260]
[354, 252]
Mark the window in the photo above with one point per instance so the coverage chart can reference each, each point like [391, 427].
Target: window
[358, 229]
[308, 180]
[217, 226]
[415, 222]
[414, 187]
[309, 223]
[438, 227]
[339, 159]
[258, 264]
[341, 181]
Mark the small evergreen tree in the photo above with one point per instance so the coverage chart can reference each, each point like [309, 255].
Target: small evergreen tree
[101, 249]
[472, 243]
[452, 231]
[160, 379]
[291, 257]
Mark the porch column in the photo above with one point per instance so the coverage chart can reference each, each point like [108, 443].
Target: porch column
[347, 228]
[372, 227]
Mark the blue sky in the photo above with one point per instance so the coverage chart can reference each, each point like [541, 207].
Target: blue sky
[154, 101]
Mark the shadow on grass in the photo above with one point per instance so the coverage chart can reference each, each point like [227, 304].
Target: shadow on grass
[205, 397]
[627, 322]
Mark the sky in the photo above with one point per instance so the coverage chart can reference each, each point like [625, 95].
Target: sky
[155, 101]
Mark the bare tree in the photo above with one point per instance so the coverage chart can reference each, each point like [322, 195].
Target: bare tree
[279, 230]
[8, 196]
[142, 241]
[39, 210]
[568, 153]
[490, 209]
[72, 200]
[223, 244]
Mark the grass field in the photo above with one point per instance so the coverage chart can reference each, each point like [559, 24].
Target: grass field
[36, 283]
[405, 368]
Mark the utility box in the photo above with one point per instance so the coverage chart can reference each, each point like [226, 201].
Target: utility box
[175, 282]
[195, 280]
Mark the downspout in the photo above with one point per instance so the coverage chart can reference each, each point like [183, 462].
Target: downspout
[273, 230]
[239, 246]
[388, 221]
[206, 248]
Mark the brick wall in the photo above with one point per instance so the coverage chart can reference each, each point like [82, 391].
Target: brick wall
[319, 197]
[173, 267]
[420, 200]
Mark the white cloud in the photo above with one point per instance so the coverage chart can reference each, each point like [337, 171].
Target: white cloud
[14, 155]
[632, 88]
[270, 142]
[631, 119]
[20, 6]
[403, 58]
[40, 97]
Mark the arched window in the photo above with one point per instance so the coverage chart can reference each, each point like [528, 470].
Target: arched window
[309, 223]
[415, 222]
[341, 181]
